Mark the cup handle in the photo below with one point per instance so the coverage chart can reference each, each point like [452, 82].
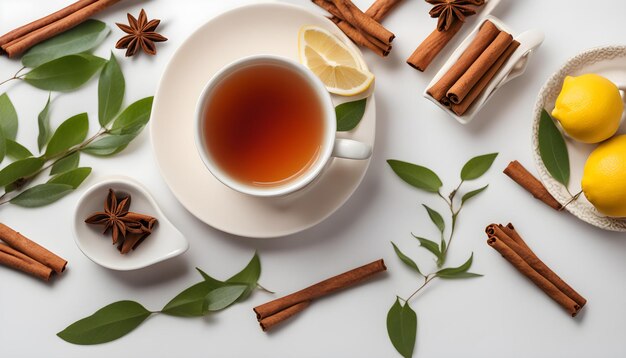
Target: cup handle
[351, 149]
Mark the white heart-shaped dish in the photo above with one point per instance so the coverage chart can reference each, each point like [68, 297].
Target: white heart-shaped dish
[164, 243]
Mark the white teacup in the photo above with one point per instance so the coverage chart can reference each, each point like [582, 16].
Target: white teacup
[329, 148]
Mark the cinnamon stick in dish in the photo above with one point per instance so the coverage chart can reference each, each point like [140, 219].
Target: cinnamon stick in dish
[526, 262]
[516, 171]
[29, 248]
[468, 80]
[12, 258]
[75, 15]
[484, 37]
[484, 81]
[285, 307]
[426, 52]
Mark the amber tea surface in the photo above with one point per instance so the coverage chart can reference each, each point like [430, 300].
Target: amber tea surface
[264, 125]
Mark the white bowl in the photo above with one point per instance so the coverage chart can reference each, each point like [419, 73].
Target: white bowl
[164, 243]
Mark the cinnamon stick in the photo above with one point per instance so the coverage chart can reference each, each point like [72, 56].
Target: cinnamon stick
[15, 259]
[484, 37]
[377, 11]
[31, 249]
[37, 24]
[280, 310]
[516, 171]
[270, 322]
[364, 23]
[426, 52]
[468, 80]
[533, 261]
[19, 45]
[523, 267]
[380, 8]
[480, 86]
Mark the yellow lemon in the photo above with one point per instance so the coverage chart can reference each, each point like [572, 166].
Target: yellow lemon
[604, 177]
[340, 68]
[589, 108]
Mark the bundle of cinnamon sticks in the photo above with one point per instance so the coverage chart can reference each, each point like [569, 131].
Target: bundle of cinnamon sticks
[16, 42]
[363, 28]
[274, 312]
[507, 241]
[22, 254]
[463, 83]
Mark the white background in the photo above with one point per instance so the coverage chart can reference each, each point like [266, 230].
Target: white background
[501, 314]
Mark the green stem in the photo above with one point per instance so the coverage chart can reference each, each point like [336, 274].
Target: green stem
[16, 76]
[427, 280]
[57, 158]
[574, 198]
[264, 289]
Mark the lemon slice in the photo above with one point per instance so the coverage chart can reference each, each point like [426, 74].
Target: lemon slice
[342, 71]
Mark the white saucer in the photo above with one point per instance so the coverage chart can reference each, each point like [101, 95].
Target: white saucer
[609, 62]
[270, 28]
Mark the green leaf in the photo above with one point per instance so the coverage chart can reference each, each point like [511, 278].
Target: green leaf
[429, 245]
[3, 146]
[349, 114]
[472, 194]
[248, 276]
[109, 145]
[458, 272]
[81, 38]
[477, 166]
[19, 169]
[107, 324]
[223, 297]
[133, 118]
[66, 163]
[8, 117]
[66, 73]
[418, 176]
[402, 328]
[407, 260]
[16, 151]
[73, 178]
[43, 121]
[189, 303]
[42, 194]
[436, 218]
[70, 133]
[553, 149]
[111, 88]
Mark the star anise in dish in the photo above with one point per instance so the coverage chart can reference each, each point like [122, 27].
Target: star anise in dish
[128, 229]
[449, 11]
[141, 35]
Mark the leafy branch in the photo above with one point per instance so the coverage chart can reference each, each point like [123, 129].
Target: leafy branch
[63, 64]
[401, 319]
[210, 295]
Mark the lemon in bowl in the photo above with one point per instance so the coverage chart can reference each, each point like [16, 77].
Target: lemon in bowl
[589, 108]
[604, 177]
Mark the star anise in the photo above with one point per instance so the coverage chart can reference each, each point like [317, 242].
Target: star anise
[449, 11]
[141, 35]
[113, 217]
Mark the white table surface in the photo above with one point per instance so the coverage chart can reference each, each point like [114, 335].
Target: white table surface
[501, 314]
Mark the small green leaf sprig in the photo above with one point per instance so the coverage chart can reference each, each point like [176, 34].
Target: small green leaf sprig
[64, 64]
[401, 318]
[208, 296]
[553, 152]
